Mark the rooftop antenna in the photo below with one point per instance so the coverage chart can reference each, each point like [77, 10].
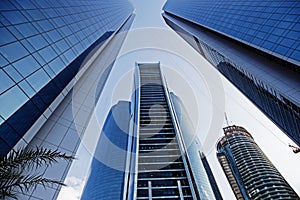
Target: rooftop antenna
[226, 119]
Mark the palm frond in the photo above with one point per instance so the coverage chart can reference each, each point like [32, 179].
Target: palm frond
[17, 167]
[32, 158]
[26, 183]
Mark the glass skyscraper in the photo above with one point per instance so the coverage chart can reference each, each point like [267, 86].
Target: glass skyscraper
[150, 150]
[250, 173]
[107, 176]
[55, 57]
[254, 44]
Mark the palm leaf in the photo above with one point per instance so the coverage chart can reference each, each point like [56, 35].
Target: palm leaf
[32, 158]
[16, 169]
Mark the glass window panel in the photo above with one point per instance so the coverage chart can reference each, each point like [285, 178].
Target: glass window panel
[287, 42]
[46, 25]
[278, 31]
[3, 20]
[13, 51]
[6, 5]
[15, 32]
[28, 46]
[66, 30]
[281, 49]
[49, 71]
[3, 61]
[6, 82]
[69, 55]
[26, 65]
[27, 88]
[62, 45]
[293, 35]
[57, 65]
[296, 55]
[58, 21]
[72, 39]
[51, 13]
[56, 48]
[38, 80]
[6, 36]
[54, 35]
[14, 17]
[47, 53]
[47, 38]
[26, 4]
[43, 4]
[13, 73]
[11, 100]
[39, 58]
[37, 42]
[65, 60]
[27, 29]
[36, 14]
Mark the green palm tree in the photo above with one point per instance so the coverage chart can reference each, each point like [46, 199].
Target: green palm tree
[17, 170]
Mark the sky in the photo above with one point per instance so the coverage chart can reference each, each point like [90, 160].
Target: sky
[205, 93]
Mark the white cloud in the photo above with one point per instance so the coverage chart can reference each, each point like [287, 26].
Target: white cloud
[73, 189]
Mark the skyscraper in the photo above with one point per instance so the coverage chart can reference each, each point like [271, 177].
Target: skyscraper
[55, 58]
[163, 168]
[254, 44]
[250, 173]
[108, 170]
[149, 150]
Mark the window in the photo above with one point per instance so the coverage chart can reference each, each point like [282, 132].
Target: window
[26, 66]
[6, 82]
[13, 73]
[6, 36]
[9, 51]
[38, 42]
[11, 100]
[38, 80]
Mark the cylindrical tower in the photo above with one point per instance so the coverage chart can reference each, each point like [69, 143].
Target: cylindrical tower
[248, 170]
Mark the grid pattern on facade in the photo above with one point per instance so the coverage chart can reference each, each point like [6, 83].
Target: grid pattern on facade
[42, 46]
[271, 26]
[266, 83]
[161, 170]
[64, 128]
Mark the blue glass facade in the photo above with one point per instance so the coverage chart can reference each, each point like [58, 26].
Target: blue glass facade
[42, 46]
[107, 176]
[269, 78]
[193, 146]
[271, 26]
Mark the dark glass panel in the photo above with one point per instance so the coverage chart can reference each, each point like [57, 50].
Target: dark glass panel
[6, 5]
